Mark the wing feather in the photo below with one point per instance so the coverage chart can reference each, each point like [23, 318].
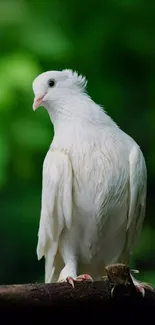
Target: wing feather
[137, 199]
[56, 208]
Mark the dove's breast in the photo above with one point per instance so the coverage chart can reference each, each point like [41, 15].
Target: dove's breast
[100, 200]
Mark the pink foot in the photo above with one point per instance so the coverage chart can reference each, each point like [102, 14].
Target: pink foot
[84, 277]
[139, 287]
[142, 286]
[70, 280]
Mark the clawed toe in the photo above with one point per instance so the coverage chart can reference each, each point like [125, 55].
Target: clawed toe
[140, 289]
[69, 280]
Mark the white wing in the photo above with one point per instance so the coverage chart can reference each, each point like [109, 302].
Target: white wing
[137, 199]
[56, 209]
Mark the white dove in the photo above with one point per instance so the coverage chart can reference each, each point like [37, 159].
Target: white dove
[94, 184]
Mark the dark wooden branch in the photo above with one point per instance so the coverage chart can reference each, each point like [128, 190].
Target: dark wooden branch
[88, 299]
[54, 295]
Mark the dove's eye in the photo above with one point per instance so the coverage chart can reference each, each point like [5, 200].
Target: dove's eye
[51, 83]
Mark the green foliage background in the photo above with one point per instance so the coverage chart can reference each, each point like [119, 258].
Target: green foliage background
[112, 43]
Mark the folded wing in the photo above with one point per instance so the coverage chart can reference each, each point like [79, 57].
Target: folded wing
[137, 199]
[56, 209]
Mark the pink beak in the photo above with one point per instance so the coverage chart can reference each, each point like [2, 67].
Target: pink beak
[37, 101]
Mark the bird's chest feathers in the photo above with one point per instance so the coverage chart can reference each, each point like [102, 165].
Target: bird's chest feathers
[98, 171]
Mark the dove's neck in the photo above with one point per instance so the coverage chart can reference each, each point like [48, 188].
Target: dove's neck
[78, 110]
[79, 123]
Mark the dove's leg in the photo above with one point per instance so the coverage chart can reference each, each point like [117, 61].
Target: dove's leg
[68, 273]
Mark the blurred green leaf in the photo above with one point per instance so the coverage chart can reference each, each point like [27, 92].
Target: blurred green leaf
[18, 70]
[145, 244]
[4, 158]
[31, 135]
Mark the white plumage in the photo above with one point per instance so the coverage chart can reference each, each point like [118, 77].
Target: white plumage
[94, 183]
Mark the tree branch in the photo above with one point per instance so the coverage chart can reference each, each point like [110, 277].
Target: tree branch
[53, 295]
[90, 299]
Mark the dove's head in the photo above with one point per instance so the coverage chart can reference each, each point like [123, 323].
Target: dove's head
[52, 86]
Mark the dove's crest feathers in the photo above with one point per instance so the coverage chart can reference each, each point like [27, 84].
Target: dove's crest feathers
[68, 98]
[66, 79]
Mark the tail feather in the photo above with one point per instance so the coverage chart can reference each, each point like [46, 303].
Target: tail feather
[49, 262]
